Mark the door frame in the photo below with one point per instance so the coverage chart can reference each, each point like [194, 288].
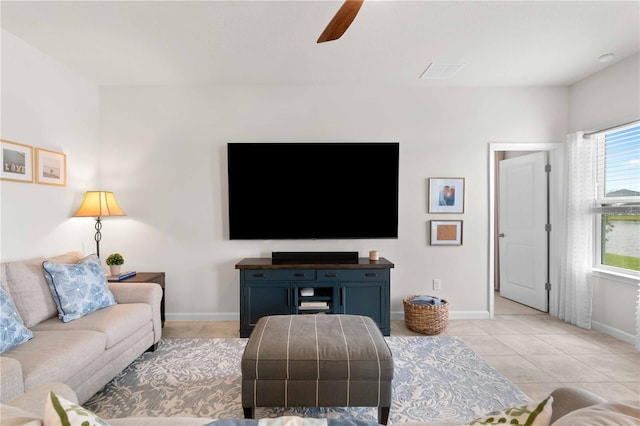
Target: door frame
[555, 150]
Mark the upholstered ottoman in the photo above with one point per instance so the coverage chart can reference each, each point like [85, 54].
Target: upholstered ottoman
[317, 361]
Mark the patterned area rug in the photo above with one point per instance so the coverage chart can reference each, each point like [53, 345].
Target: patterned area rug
[435, 378]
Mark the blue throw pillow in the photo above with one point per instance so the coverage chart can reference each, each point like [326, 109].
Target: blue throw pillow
[12, 329]
[78, 289]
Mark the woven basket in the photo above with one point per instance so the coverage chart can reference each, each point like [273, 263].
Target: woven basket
[426, 319]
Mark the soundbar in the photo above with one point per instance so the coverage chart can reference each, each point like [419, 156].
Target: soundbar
[314, 256]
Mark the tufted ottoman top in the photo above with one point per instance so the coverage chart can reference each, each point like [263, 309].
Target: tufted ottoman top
[317, 347]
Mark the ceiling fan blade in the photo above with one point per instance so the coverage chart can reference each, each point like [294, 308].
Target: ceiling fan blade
[341, 20]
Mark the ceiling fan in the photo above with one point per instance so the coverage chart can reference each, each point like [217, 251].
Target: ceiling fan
[341, 20]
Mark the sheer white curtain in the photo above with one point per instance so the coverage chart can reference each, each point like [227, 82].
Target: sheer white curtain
[638, 321]
[576, 254]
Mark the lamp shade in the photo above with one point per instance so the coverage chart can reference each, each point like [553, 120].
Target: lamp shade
[99, 204]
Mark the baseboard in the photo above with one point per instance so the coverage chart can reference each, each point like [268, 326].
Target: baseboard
[454, 315]
[204, 317]
[614, 332]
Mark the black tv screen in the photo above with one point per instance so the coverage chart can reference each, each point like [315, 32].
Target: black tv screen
[313, 190]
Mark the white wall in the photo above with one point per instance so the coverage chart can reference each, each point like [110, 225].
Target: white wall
[164, 154]
[607, 98]
[602, 100]
[47, 106]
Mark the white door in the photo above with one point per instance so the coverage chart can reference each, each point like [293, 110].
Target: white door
[522, 230]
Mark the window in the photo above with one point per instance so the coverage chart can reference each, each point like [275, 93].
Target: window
[618, 200]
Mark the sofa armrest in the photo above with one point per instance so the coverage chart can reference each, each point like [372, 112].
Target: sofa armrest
[12, 416]
[150, 293]
[568, 399]
[33, 401]
[11, 380]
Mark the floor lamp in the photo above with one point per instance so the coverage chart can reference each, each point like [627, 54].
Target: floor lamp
[99, 204]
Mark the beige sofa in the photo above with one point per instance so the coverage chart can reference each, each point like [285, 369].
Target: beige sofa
[571, 407]
[85, 353]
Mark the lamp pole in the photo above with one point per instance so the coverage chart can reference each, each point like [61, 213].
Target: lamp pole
[98, 235]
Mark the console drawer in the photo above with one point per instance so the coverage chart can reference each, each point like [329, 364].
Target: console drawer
[280, 275]
[351, 275]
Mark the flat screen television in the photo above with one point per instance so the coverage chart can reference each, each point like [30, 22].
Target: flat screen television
[313, 190]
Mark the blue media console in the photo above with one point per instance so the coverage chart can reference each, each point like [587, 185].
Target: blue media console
[360, 287]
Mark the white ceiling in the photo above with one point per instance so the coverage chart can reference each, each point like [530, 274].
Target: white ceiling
[502, 43]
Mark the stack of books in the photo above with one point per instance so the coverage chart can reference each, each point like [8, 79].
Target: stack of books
[313, 305]
[121, 276]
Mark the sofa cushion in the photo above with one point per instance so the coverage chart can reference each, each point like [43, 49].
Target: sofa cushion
[78, 289]
[61, 412]
[29, 289]
[56, 356]
[117, 322]
[533, 414]
[608, 413]
[12, 330]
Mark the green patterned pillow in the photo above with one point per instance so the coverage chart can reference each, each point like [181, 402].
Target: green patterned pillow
[534, 414]
[60, 412]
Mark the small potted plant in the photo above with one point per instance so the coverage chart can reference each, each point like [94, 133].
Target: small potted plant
[115, 261]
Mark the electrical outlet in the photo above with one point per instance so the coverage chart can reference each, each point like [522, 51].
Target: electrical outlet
[437, 284]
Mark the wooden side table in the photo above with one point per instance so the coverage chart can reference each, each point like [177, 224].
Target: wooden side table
[150, 277]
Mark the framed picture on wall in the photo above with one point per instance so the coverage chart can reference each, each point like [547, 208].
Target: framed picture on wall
[51, 167]
[446, 233]
[17, 161]
[446, 195]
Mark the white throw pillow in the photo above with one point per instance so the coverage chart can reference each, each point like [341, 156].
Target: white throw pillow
[61, 412]
[534, 414]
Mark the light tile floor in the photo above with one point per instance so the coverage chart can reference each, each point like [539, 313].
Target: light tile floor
[535, 351]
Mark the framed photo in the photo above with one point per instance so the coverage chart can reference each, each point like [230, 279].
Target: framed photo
[51, 167]
[446, 195]
[17, 161]
[446, 232]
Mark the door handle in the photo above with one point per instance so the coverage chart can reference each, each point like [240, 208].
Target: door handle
[501, 235]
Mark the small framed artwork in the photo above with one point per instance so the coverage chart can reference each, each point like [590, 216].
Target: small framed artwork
[446, 232]
[446, 195]
[51, 167]
[17, 161]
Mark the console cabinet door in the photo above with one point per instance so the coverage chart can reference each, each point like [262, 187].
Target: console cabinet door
[265, 298]
[366, 299]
